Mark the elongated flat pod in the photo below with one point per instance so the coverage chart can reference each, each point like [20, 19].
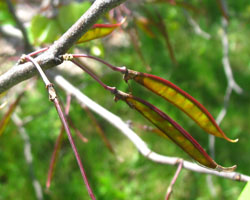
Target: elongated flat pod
[173, 130]
[180, 99]
[99, 31]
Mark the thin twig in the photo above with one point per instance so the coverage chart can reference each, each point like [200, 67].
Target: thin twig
[134, 37]
[112, 67]
[106, 87]
[19, 24]
[54, 99]
[223, 9]
[57, 146]
[54, 157]
[42, 74]
[231, 84]
[225, 60]
[78, 133]
[135, 139]
[170, 188]
[195, 25]
[28, 155]
[38, 51]
[6, 117]
[66, 127]
[161, 26]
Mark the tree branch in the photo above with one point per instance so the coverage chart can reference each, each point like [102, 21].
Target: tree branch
[195, 25]
[135, 139]
[231, 84]
[49, 58]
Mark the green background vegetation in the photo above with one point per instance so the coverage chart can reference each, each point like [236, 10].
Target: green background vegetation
[130, 175]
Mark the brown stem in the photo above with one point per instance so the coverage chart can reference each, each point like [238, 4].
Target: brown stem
[106, 87]
[54, 157]
[66, 127]
[57, 146]
[134, 39]
[99, 130]
[114, 68]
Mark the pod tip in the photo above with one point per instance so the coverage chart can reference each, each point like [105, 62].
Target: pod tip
[233, 141]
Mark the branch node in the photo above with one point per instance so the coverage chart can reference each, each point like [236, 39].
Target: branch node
[124, 69]
[113, 90]
[67, 57]
[57, 60]
[126, 74]
[179, 161]
[51, 91]
[22, 59]
[237, 177]
[148, 154]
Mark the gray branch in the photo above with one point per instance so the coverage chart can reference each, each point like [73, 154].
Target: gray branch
[195, 25]
[49, 58]
[231, 85]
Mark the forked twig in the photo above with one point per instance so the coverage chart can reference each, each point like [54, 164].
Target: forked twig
[231, 84]
[54, 99]
[54, 157]
[57, 146]
[196, 26]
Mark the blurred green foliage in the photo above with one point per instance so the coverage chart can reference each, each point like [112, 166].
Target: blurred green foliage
[245, 194]
[5, 16]
[131, 176]
[44, 30]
